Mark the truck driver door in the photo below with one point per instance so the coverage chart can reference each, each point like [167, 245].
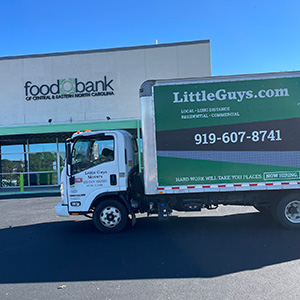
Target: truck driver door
[95, 168]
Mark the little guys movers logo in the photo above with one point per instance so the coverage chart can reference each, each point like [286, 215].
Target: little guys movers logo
[68, 88]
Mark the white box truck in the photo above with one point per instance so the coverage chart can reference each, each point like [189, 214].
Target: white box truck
[230, 140]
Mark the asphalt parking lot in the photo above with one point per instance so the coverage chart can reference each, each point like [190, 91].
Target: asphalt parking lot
[230, 253]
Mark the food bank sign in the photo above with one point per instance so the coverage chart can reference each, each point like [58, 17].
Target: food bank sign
[69, 88]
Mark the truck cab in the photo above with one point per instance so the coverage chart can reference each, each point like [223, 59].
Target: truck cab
[97, 169]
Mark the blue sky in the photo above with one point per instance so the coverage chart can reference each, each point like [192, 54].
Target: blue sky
[247, 36]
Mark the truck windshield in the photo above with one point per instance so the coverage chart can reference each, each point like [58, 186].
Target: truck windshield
[91, 151]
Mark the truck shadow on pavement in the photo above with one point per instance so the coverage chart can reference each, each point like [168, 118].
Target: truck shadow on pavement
[200, 247]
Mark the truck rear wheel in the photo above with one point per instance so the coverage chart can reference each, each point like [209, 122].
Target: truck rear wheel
[110, 216]
[287, 211]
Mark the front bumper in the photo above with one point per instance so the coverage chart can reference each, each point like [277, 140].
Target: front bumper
[61, 210]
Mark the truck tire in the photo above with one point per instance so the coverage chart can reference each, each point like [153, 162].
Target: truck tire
[287, 211]
[110, 216]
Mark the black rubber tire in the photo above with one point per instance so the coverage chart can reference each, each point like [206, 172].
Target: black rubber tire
[279, 211]
[113, 214]
[274, 211]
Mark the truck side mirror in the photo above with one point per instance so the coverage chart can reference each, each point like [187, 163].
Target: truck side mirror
[69, 163]
[68, 154]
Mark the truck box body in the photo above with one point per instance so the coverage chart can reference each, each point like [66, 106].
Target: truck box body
[231, 140]
[231, 133]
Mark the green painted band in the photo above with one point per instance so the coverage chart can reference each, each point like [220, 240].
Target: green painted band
[72, 127]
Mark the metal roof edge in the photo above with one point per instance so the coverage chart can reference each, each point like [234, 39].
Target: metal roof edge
[105, 50]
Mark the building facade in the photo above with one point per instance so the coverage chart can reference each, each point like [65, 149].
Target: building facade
[45, 98]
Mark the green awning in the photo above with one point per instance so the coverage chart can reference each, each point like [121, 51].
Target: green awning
[71, 127]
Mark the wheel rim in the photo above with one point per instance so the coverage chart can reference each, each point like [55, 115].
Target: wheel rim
[110, 216]
[292, 211]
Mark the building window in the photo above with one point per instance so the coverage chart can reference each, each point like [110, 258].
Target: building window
[13, 163]
[40, 163]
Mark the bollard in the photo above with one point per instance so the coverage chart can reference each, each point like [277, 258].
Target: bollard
[21, 182]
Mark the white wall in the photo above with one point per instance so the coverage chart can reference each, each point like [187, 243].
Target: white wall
[127, 67]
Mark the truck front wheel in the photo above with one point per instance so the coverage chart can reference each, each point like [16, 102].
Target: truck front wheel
[110, 216]
[287, 211]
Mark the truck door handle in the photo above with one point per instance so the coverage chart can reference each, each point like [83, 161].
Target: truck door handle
[113, 179]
